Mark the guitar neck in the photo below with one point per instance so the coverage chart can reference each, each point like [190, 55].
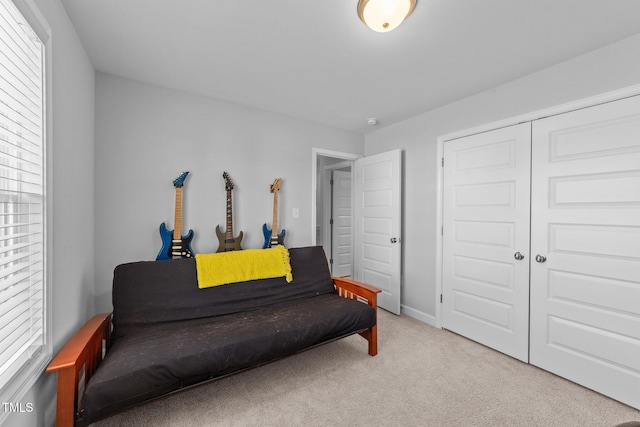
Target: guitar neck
[274, 224]
[177, 235]
[229, 230]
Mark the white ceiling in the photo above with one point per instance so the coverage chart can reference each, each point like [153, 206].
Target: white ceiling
[315, 60]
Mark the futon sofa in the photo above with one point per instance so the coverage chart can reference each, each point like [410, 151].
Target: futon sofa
[166, 334]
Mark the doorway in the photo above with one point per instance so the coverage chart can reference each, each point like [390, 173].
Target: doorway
[376, 219]
[324, 209]
[336, 222]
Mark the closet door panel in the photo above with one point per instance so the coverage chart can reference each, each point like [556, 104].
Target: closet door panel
[486, 222]
[585, 227]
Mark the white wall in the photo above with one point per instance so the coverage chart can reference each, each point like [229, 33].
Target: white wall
[613, 67]
[70, 166]
[146, 136]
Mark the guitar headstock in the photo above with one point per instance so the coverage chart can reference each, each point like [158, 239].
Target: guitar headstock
[179, 181]
[228, 184]
[276, 185]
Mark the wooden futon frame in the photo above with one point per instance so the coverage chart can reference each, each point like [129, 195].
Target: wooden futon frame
[80, 357]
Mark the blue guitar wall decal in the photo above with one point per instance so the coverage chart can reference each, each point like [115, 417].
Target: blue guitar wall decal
[174, 245]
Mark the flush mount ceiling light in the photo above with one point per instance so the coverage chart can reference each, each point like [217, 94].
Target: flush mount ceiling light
[384, 15]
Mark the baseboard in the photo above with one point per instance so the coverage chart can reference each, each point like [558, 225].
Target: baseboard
[418, 315]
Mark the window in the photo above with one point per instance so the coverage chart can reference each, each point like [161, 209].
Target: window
[24, 343]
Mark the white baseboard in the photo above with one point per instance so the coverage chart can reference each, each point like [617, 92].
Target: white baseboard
[418, 315]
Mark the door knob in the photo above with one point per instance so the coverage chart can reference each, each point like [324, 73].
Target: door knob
[518, 256]
[541, 258]
[394, 240]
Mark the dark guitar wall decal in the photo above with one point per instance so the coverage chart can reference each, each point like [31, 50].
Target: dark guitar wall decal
[271, 236]
[226, 239]
[174, 245]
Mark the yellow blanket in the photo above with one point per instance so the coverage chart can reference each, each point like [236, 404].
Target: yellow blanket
[240, 266]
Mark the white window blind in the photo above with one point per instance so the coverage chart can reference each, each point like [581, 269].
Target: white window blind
[22, 198]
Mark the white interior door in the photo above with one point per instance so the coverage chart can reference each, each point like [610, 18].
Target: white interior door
[585, 284]
[377, 225]
[341, 230]
[486, 238]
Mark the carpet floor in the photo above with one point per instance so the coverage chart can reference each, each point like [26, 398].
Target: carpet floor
[422, 376]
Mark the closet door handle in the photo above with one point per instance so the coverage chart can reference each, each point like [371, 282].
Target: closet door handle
[541, 258]
[518, 256]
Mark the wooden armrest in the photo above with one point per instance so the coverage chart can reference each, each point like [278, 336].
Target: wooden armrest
[82, 352]
[359, 291]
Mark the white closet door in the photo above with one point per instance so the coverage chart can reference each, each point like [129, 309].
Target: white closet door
[486, 238]
[585, 284]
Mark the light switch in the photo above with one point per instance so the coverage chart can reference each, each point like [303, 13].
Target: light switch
[296, 212]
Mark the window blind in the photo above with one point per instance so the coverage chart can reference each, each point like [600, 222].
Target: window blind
[22, 201]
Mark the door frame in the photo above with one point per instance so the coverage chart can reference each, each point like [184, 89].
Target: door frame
[320, 152]
[527, 117]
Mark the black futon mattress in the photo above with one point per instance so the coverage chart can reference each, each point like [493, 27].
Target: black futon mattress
[169, 334]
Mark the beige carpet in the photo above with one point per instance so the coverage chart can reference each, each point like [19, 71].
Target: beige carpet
[422, 376]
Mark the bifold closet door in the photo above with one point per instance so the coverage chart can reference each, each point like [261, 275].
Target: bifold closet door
[486, 238]
[585, 245]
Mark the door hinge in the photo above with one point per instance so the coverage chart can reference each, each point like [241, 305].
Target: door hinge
[440, 298]
[442, 230]
[443, 162]
[331, 221]
[330, 260]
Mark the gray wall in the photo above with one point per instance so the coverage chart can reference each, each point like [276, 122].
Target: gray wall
[146, 136]
[71, 188]
[612, 67]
